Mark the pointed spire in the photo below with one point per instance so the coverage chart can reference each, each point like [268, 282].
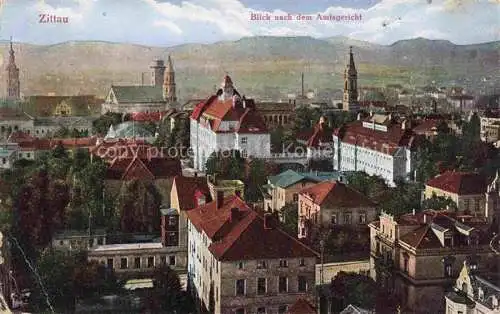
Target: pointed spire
[11, 44]
[351, 60]
[170, 65]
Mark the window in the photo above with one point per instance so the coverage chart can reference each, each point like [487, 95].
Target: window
[283, 284]
[302, 284]
[151, 261]
[172, 221]
[244, 140]
[240, 265]
[91, 242]
[261, 286]
[478, 204]
[123, 263]
[302, 262]
[295, 197]
[362, 218]
[261, 265]
[137, 262]
[347, 218]
[4, 160]
[163, 260]
[282, 309]
[240, 311]
[334, 219]
[261, 310]
[171, 260]
[405, 266]
[110, 263]
[283, 263]
[447, 270]
[240, 287]
[303, 231]
[466, 204]
[100, 241]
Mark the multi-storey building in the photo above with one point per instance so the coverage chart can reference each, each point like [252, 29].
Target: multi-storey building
[332, 203]
[240, 262]
[277, 114]
[466, 189]
[475, 292]
[284, 188]
[226, 121]
[418, 256]
[378, 145]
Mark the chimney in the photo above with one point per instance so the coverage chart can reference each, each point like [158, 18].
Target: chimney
[268, 221]
[220, 199]
[235, 213]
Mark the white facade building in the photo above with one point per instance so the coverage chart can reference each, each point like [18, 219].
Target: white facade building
[226, 121]
[378, 146]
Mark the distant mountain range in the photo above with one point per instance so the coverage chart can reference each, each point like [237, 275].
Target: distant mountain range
[264, 67]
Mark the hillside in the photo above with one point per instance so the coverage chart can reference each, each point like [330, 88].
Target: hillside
[258, 65]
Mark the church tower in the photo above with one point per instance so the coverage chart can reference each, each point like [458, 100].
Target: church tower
[158, 73]
[350, 99]
[169, 83]
[13, 84]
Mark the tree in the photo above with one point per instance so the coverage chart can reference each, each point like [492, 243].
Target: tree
[168, 288]
[353, 288]
[68, 276]
[289, 216]
[372, 186]
[257, 177]
[226, 165]
[439, 203]
[138, 207]
[305, 118]
[101, 125]
[40, 209]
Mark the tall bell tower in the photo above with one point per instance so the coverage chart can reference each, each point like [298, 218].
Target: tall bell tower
[350, 99]
[169, 82]
[12, 73]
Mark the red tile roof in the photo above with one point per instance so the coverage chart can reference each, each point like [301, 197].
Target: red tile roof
[19, 136]
[462, 183]
[109, 150]
[302, 306]
[147, 116]
[245, 237]
[186, 188]
[321, 134]
[386, 142]
[427, 125]
[337, 194]
[217, 110]
[143, 169]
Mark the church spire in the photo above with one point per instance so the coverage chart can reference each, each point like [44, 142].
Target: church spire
[169, 82]
[13, 85]
[350, 98]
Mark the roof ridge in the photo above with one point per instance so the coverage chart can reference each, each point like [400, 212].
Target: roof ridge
[294, 239]
[141, 163]
[251, 220]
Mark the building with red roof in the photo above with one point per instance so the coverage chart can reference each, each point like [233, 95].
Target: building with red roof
[302, 306]
[466, 189]
[245, 260]
[378, 145]
[227, 121]
[419, 254]
[330, 203]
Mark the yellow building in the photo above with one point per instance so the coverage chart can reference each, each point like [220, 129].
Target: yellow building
[466, 189]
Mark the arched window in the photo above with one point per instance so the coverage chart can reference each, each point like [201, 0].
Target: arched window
[464, 287]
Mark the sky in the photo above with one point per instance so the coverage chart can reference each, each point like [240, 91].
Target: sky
[173, 22]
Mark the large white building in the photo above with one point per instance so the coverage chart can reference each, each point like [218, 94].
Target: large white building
[377, 145]
[242, 263]
[226, 121]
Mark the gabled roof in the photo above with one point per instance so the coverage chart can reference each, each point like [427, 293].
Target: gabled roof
[186, 188]
[243, 237]
[462, 183]
[353, 309]
[302, 306]
[336, 194]
[44, 105]
[138, 94]
[143, 169]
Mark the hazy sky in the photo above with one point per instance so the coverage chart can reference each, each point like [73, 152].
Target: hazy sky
[170, 22]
